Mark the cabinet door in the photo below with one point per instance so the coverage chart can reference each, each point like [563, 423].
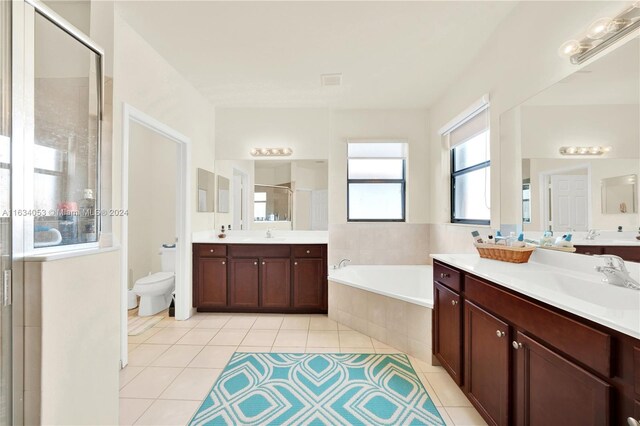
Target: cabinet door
[275, 283]
[212, 282]
[243, 283]
[630, 253]
[486, 354]
[309, 284]
[447, 328]
[551, 390]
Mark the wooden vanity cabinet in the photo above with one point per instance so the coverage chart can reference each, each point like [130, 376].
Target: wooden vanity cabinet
[260, 278]
[528, 363]
[447, 345]
[628, 253]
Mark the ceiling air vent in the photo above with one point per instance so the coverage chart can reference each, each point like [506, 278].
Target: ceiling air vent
[331, 79]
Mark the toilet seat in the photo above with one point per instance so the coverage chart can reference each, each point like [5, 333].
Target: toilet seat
[155, 278]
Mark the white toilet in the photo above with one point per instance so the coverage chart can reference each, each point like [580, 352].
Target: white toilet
[155, 290]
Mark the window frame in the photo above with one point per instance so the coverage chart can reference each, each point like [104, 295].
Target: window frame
[402, 181]
[62, 24]
[452, 186]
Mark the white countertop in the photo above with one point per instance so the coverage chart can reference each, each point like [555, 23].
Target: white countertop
[259, 237]
[607, 242]
[565, 281]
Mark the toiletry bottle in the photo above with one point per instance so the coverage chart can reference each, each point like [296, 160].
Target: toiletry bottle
[519, 242]
[87, 219]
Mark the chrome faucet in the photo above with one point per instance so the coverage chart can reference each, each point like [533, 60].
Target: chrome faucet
[342, 263]
[616, 274]
[269, 235]
[592, 234]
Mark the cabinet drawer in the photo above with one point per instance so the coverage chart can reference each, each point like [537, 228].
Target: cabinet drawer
[259, 250]
[589, 250]
[307, 251]
[585, 344]
[211, 250]
[447, 276]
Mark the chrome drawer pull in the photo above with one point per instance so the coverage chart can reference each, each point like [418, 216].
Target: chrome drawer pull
[443, 275]
[211, 250]
[255, 263]
[263, 263]
[308, 251]
[499, 333]
[224, 263]
[516, 345]
[295, 263]
[454, 302]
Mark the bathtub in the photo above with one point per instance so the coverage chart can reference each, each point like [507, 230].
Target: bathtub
[411, 283]
[393, 304]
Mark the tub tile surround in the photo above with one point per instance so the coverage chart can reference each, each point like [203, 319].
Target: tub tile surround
[395, 323]
[379, 243]
[170, 394]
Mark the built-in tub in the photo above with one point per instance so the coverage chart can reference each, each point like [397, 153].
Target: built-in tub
[390, 303]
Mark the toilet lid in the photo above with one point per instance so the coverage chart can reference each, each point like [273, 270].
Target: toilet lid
[154, 278]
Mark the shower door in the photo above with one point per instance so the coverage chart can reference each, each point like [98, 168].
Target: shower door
[6, 346]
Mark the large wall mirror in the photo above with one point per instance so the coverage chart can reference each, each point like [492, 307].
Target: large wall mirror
[276, 194]
[570, 154]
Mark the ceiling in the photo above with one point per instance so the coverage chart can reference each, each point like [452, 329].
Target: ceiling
[271, 54]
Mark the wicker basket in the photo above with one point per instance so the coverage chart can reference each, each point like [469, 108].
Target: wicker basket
[505, 253]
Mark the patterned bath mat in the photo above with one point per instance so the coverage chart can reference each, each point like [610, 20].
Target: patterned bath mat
[317, 389]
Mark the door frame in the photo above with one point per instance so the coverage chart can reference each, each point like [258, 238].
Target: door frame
[545, 183]
[183, 218]
[244, 199]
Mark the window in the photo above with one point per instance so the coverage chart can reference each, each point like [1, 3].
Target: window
[470, 170]
[376, 173]
[66, 147]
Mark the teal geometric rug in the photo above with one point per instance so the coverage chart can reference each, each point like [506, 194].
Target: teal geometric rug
[317, 389]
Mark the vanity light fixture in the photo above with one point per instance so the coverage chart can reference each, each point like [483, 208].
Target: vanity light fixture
[584, 150]
[271, 152]
[601, 34]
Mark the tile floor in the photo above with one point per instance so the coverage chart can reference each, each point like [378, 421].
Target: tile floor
[173, 365]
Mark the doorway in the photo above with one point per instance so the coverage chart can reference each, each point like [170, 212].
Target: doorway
[240, 200]
[133, 121]
[567, 199]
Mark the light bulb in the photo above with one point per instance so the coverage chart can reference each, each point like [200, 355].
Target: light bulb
[571, 150]
[583, 150]
[598, 29]
[569, 48]
[264, 151]
[286, 151]
[606, 149]
[254, 152]
[616, 25]
[275, 151]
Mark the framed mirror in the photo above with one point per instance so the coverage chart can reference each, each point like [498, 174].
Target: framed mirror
[276, 194]
[570, 155]
[206, 188]
[223, 194]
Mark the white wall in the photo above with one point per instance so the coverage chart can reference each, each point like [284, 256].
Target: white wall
[305, 130]
[152, 214]
[225, 168]
[410, 125]
[518, 61]
[145, 80]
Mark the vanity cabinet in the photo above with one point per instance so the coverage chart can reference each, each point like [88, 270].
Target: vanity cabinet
[628, 253]
[448, 327]
[260, 278]
[528, 363]
[486, 348]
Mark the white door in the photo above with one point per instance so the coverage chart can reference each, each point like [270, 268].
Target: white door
[569, 202]
[239, 204]
[319, 210]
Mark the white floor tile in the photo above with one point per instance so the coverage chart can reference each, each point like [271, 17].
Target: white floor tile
[145, 354]
[291, 338]
[323, 339]
[268, 323]
[198, 336]
[255, 349]
[214, 321]
[295, 323]
[365, 350]
[213, 357]
[288, 349]
[446, 390]
[150, 383]
[465, 416]
[354, 339]
[142, 337]
[132, 408]
[177, 356]
[260, 338]
[169, 412]
[241, 322]
[192, 384]
[228, 337]
[128, 373]
[329, 350]
[323, 323]
[168, 336]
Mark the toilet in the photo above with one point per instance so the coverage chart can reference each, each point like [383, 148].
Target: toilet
[155, 290]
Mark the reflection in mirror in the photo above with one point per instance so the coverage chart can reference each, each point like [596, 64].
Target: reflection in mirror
[206, 188]
[571, 147]
[223, 194]
[276, 194]
[619, 195]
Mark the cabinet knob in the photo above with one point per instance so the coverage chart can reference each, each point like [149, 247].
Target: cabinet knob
[516, 345]
[633, 422]
[211, 251]
[295, 263]
[224, 263]
[444, 275]
[255, 263]
[499, 333]
[263, 263]
[454, 302]
[308, 251]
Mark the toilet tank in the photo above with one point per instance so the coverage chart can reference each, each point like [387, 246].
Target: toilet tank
[168, 258]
